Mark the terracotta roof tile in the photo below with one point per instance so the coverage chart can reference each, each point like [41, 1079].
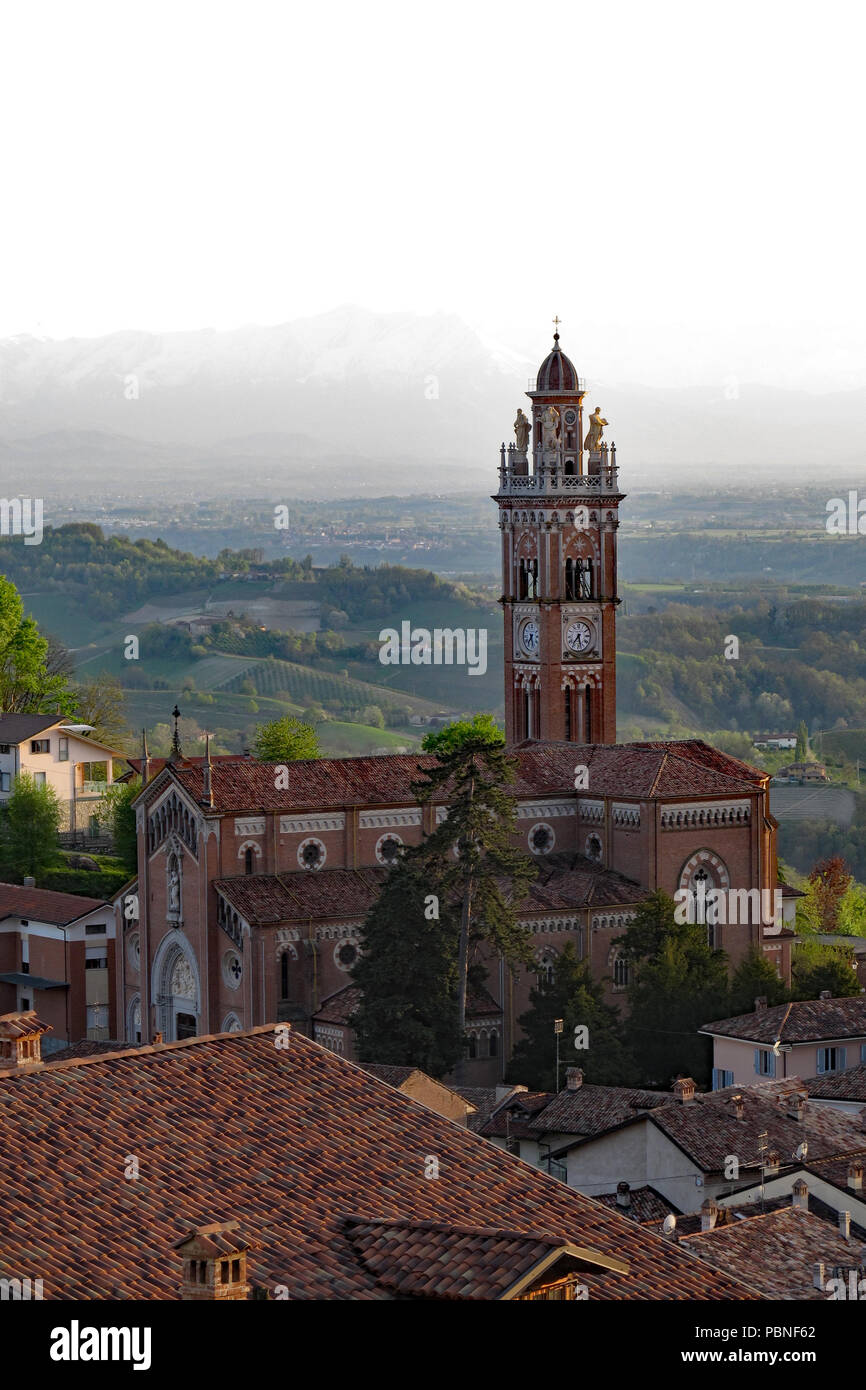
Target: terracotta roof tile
[304, 1150]
[44, 905]
[709, 1130]
[776, 1252]
[690, 768]
[805, 1020]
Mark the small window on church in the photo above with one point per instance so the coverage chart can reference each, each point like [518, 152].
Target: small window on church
[473, 1045]
[284, 975]
[248, 860]
[494, 1044]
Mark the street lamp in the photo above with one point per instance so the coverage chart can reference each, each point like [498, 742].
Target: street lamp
[557, 1029]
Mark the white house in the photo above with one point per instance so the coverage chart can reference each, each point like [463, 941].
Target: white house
[60, 754]
[809, 1037]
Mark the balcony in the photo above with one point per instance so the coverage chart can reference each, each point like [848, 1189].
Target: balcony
[90, 787]
[549, 476]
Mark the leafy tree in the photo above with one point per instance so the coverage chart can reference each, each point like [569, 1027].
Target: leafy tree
[29, 823]
[831, 880]
[27, 685]
[802, 750]
[818, 966]
[755, 977]
[487, 876]
[285, 740]
[100, 702]
[116, 811]
[408, 975]
[481, 728]
[678, 983]
[575, 997]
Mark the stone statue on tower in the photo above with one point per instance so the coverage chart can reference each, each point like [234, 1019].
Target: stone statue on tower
[521, 431]
[594, 433]
[550, 428]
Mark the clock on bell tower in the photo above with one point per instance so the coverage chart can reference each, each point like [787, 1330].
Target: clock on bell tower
[558, 513]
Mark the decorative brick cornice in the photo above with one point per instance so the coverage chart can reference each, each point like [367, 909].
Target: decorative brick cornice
[694, 815]
[307, 825]
[589, 810]
[626, 816]
[386, 820]
[543, 810]
[250, 825]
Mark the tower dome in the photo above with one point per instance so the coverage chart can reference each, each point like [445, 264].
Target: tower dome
[557, 372]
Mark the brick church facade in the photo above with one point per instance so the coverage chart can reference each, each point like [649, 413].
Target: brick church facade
[251, 894]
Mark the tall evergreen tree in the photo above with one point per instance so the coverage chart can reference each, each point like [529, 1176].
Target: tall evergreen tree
[408, 975]
[678, 984]
[801, 752]
[575, 997]
[470, 855]
[755, 978]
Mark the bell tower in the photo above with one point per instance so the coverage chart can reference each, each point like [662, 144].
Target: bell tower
[558, 504]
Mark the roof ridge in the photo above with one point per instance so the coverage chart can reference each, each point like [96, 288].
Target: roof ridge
[143, 1050]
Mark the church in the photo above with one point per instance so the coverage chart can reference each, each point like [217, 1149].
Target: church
[251, 893]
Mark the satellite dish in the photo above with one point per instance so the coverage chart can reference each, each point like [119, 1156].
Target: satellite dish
[669, 1224]
[802, 1150]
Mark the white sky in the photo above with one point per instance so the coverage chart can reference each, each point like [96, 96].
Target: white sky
[681, 183]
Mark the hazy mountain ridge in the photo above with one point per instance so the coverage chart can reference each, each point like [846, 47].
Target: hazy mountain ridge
[358, 401]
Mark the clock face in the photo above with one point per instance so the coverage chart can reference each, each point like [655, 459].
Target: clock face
[529, 635]
[570, 417]
[578, 636]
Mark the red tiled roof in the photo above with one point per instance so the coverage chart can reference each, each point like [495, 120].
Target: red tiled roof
[511, 1117]
[300, 1147]
[645, 1204]
[157, 764]
[86, 1047]
[638, 770]
[847, 1085]
[564, 881]
[776, 1252]
[430, 1259]
[805, 1020]
[708, 1129]
[267, 898]
[44, 905]
[590, 1110]
[340, 1006]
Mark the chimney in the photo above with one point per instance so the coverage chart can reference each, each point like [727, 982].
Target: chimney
[825, 994]
[818, 1277]
[157, 1037]
[845, 1225]
[214, 1263]
[573, 1078]
[709, 1214]
[800, 1196]
[855, 1175]
[739, 1107]
[29, 882]
[797, 1107]
[21, 1040]
[684, 1090]
[623, 1195]
[771, 1167]
[760, 1003]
